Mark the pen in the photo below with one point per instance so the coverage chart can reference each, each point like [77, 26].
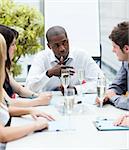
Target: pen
[79, 102]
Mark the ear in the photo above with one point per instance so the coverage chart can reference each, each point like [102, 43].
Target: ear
[49, 45]
[126, 48]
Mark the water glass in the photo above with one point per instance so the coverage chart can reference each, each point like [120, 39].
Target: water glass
[69, 101]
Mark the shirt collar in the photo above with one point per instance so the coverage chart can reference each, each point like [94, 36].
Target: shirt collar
[54, 59]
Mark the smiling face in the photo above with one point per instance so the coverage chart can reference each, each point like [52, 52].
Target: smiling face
[122, 55]
[60, 45]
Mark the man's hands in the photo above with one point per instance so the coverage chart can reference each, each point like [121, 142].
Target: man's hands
[56, 70]
[109, 94]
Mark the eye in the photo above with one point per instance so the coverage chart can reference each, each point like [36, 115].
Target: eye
[56, 45]
[65, 42]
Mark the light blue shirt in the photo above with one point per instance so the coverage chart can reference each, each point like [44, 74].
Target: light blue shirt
[120, 86]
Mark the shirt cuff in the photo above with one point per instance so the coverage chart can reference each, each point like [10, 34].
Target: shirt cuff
[114, 98]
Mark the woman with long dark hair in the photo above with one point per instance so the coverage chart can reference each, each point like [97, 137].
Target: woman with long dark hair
[10, 85]
[12, 133]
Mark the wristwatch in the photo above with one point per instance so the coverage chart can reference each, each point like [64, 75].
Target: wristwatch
[34, 95]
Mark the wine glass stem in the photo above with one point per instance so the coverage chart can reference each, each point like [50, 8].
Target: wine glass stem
[101, 104]
[65, 91]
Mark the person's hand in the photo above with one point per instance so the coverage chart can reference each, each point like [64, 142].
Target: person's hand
[56, 70]
[35, 114]
[109, 94]
[122, 121]
[97, 101]
[41, 123]
[44, 98]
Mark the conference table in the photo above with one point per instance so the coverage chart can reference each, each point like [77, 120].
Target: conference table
[74, 132]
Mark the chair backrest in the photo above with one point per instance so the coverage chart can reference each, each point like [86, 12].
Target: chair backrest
[98, 59]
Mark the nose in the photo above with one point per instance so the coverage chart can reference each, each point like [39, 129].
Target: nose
[15, 48]
[113, 49]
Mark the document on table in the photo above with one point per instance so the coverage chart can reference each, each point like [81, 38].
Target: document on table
[63, 124]
[107, 125]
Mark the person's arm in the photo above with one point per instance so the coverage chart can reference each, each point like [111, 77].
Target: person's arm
[12, 133]
[19, 111]
[120, 101]
[42, 99]
[37, 77]
[20, 90]
[119, 85]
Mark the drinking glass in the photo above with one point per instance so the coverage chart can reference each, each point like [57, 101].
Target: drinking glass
[81, 77]
[65, 78]
[69, 101]
[69, 104]
[101, 89]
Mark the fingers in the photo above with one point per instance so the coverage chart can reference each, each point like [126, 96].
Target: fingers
[41, 123]
[121, 121]
[34, 117]
[47, 116]
[71, 72]
[97, 101]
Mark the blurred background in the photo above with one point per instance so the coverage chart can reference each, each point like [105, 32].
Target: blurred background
[91, 23]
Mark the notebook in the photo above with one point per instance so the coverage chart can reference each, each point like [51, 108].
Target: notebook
[107, 125]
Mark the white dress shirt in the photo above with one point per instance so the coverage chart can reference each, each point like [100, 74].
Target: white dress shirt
[37, 79]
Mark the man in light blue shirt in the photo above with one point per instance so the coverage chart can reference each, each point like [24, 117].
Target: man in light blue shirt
[120, 86]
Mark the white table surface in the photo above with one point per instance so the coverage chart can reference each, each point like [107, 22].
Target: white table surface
[84, 137]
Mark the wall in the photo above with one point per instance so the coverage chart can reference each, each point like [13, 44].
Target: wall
[111, 13]
[80, 18]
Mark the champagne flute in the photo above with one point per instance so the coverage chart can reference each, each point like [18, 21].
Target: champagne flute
[81, 75]
[65, 78]
[101, 89]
